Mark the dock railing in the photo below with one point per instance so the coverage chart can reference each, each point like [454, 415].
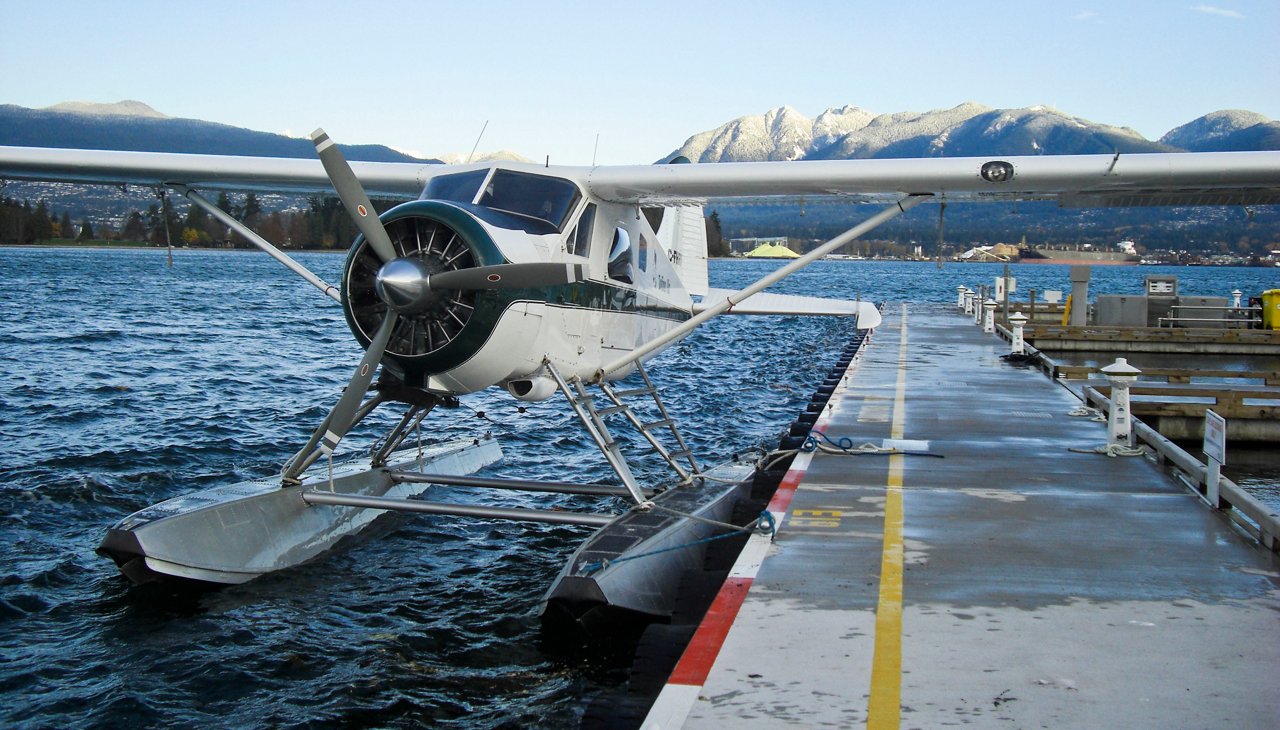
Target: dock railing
[1252, 516]
[1238, 317]
[1167, 375]
[1255, 518]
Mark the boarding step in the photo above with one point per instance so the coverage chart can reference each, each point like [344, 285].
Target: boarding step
[634, 392]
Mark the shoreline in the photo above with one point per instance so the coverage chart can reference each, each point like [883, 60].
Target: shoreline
[105, 245]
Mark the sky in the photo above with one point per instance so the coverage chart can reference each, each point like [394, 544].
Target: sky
[627, 83]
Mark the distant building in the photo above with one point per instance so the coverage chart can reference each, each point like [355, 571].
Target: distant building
[744, 246]
[771, 251]
[998, 252]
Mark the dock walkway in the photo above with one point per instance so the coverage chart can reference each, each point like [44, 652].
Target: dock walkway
[991, 577]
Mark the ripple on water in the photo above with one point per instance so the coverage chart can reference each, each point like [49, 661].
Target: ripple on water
[131, 382]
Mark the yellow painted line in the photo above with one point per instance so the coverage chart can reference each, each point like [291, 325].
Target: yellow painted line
[884, 706]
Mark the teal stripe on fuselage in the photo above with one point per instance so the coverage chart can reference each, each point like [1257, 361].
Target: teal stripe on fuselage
[491, 305]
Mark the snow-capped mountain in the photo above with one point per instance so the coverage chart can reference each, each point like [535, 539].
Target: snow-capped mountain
[968, 129]
[132, 125]
[126, 108]
[1225, 131]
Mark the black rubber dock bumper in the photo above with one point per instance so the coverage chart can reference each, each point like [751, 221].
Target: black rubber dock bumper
[629, 571]
[661, 643]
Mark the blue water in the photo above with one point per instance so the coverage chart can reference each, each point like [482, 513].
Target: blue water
[127, 382]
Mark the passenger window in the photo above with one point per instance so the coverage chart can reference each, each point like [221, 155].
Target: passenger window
[643, 252]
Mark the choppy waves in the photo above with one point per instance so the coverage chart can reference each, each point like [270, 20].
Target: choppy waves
[127, 383]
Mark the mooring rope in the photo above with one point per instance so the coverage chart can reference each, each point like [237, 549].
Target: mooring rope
[1113, 450]
[1086, 411]
[819, 441]
[778, 457]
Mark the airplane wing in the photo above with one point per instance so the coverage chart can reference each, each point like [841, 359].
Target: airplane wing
[1205, 178]
[278, 174]
[1219, 178]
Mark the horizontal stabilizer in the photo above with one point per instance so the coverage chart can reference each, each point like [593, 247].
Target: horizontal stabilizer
[767, 303]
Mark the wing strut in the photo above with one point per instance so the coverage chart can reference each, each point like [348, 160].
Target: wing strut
[899, 207]
[226, 219]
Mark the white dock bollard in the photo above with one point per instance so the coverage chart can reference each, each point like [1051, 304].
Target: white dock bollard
[989, 316]
[960, 296]
[1235, 297]
[1017, 321]
[968, 300]
[1119, 423]
[977, 307]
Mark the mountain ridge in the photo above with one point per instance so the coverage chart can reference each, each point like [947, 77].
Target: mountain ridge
[781, 133]
[968, 129]
[135, 126]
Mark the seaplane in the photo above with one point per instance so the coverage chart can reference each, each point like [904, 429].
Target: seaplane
[547, 281]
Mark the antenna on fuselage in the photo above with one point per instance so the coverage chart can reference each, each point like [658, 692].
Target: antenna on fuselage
[595, 150]
[477, 144]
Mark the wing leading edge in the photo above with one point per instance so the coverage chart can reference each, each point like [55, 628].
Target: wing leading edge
[1135, 179]
[1203, 178]
[279, 174]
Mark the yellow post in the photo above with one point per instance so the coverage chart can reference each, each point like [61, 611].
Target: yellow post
[1271, 309]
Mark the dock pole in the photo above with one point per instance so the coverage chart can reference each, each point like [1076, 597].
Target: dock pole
[1119, 423]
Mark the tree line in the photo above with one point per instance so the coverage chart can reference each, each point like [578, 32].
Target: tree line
[1253, 230]
[322, 224]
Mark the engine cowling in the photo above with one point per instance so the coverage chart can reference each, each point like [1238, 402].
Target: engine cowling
[437, 328]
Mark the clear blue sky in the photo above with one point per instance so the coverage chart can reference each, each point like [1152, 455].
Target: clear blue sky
[549, 76]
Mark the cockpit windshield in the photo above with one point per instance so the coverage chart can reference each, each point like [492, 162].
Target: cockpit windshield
[543, 198]
[460, 187]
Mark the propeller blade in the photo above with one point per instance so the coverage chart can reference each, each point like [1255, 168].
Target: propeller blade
[345, 410]
[509, 276]
[352, 195]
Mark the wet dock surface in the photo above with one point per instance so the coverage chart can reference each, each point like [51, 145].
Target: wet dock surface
[989, 577]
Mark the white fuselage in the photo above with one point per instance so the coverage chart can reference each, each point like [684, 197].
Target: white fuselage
[635, 298]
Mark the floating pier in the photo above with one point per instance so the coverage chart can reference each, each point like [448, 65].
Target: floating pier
[954, 550]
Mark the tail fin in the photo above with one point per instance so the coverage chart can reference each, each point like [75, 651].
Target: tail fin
[684, 234]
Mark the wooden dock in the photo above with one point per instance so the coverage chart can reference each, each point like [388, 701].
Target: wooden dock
[966, 559]
[1177, 340]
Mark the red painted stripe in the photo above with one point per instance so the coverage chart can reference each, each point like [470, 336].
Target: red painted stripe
[695, 663]
[785, 491]
[787, 487]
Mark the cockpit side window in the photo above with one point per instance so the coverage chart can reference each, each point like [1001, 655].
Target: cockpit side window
[579, 241]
